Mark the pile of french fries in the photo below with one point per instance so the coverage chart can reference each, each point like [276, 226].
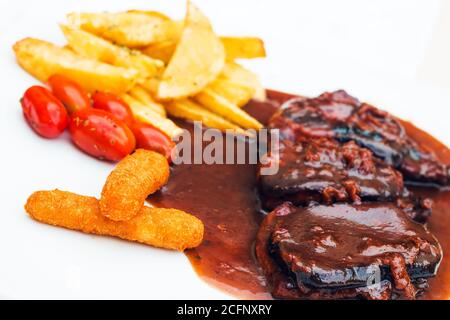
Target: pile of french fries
[159, 66]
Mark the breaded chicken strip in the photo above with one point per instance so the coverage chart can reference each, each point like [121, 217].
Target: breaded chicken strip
[164, 228]
[131, 182]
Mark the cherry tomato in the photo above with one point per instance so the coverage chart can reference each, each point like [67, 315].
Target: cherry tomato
[101, 135]
[113, 104]
[150, 138]
[44, 112]
[71, 94]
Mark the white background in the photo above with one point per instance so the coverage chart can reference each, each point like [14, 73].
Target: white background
[395, 54]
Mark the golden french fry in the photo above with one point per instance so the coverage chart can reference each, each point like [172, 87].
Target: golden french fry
[133, 179]
[141, 94]
[151, 13]
[238, 74]
[151, 85]
[235, 48]
[130, 29]
[243, 47]
[161, 50]
[145, 113]
[93, 47]
[43, 59]
[133, 101]
[218, 104]
[165, 228]
[189, 110]
[198, 58]
[236, 93]
[260, 92]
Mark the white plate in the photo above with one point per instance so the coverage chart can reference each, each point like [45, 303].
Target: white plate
[390, 53]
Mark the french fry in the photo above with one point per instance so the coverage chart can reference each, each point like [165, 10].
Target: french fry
[218, 104]
[43, 59]
[151, 13]
[161, 50]
[164, 228]
[140, 93]
[189, 110]
[197, 60]
[238, 74]
[235, 48]
[260, 92]
[236, 93]
[133, 179]
[147, 115]
[133, 101]
[93, 47]
[243, 47]
[130, 29]
[151, 85]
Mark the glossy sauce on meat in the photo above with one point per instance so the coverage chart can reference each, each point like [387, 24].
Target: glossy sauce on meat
[342, 117]
[322, 252]
[326, 171]
[224, 197]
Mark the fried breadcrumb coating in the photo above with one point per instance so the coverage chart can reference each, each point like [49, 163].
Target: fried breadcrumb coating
[131, 182]
[164, 228]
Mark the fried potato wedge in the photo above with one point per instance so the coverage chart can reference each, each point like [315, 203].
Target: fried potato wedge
[236, 93]
[218, 104]
[133, 179]
[190, 110]
[93, 47]
[151, 13]
[235, 48]
[164, 228]
[239, 75]
[198, 58]
[130, 29]
[161, 50]
[151, 85]
[136, 96]
[146, 114]
[43, 59]
[141, 94]
[243, 47]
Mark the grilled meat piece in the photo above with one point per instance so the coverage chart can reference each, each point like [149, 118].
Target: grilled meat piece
[338, 115]
[417, 208]
[370, 251]
[325, 171]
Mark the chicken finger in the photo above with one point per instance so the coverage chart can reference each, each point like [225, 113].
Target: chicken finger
[129, 184]
[164, 228]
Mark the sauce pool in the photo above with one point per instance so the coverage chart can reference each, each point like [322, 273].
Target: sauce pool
[225, 198]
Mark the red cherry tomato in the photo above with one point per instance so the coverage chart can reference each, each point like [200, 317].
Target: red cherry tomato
[44, 112]
[101, 135]
[71, 94]
[113, 104]
[150, 138]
